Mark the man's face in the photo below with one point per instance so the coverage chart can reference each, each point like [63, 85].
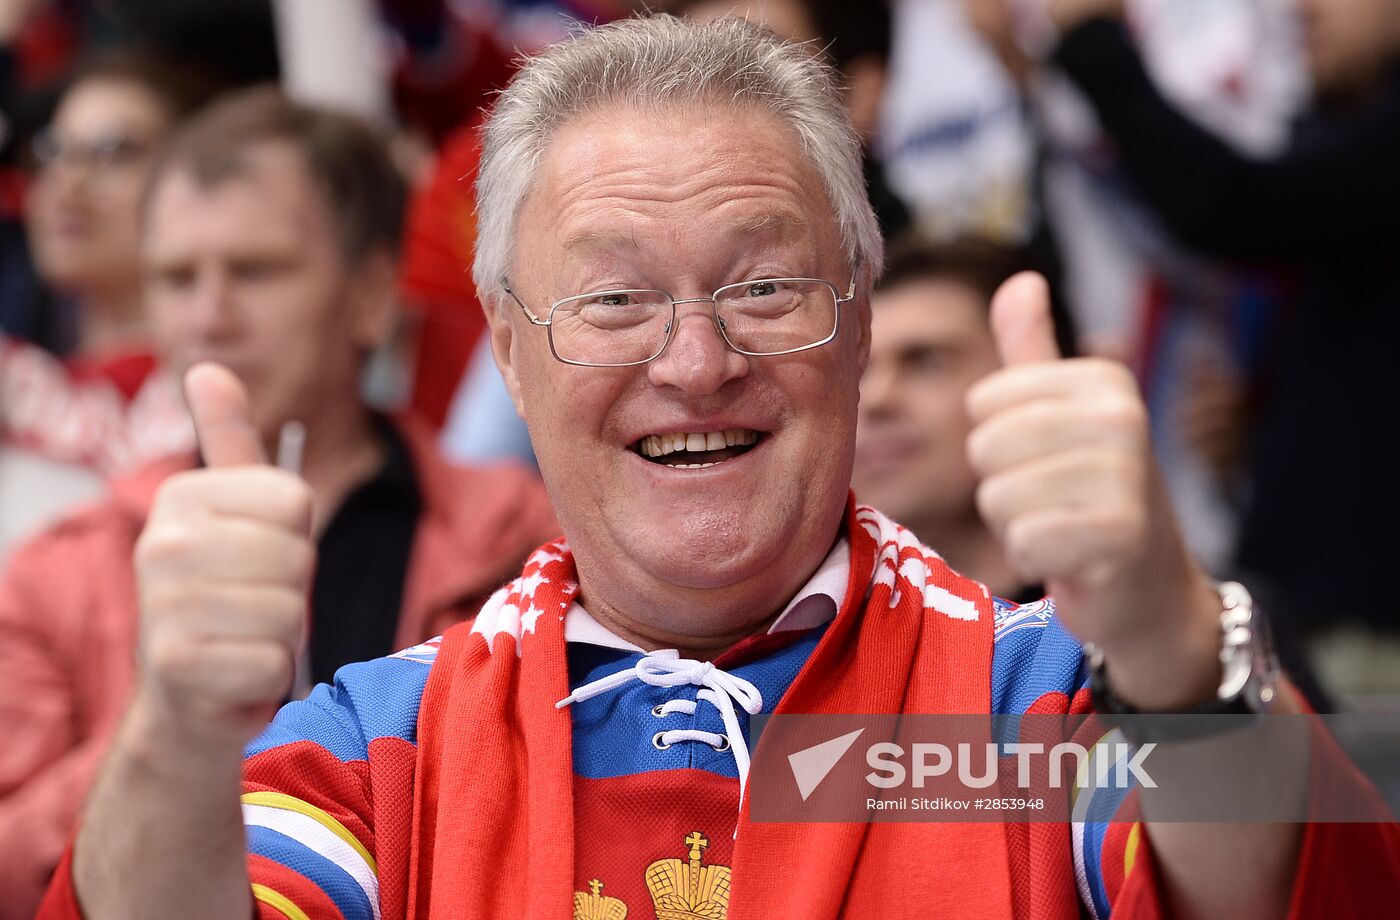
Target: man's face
[249, 272]
[1348, 41]
[685, 201]
[83, 206]
[930, 341]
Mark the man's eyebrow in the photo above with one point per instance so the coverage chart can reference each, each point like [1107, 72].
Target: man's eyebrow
[607, 240]
[774, 223]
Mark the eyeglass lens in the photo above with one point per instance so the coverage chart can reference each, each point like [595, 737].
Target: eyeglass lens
[103, 152]
[757, 317]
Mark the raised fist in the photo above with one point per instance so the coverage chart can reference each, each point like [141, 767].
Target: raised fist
[1070, 488]
[223, 568]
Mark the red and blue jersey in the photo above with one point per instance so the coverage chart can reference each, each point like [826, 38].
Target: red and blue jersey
[450, 780]
[330, 783]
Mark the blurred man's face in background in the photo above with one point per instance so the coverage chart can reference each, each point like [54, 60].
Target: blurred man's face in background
[249, 272]
[1349, 42]
[930, 341]
[83, 208]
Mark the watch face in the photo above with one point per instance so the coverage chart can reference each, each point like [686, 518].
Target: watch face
[1249, 670]
[1235, 672]
[1236, 648]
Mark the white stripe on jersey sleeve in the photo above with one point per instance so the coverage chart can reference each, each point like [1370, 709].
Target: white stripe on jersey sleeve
[321, 840]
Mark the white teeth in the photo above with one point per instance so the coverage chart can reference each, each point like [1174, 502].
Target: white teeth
[740, 436]
[659, 445]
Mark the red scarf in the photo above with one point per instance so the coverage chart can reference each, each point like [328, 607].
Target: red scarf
[493, 811]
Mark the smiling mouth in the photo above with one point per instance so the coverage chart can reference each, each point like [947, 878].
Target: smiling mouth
[696, 450]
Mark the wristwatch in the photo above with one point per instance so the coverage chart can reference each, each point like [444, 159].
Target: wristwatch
[1249, 675]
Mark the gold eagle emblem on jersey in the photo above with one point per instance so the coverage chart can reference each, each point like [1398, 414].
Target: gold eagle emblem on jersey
[686, 890]
[594, 906]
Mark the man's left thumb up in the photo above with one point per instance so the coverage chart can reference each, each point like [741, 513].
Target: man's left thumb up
[1021, 321]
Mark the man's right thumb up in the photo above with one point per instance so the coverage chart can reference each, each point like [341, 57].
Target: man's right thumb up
[223, 418]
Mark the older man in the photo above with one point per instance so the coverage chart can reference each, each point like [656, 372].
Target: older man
[677, 251]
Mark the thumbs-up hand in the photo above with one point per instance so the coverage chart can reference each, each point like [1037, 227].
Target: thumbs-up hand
[1070, 488]
[222, 571]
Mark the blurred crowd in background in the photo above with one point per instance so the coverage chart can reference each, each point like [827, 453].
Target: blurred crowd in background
[1210, 185]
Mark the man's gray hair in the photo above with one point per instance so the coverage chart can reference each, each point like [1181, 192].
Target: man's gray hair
[656, 60]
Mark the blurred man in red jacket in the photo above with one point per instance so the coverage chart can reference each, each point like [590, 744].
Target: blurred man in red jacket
[270, 244]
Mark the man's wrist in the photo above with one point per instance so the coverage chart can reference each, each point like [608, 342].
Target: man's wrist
[1176, 669]
[154, 741]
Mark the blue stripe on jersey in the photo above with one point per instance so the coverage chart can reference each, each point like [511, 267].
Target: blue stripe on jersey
[613, 732]
[370, 699]
[1102, 805]
[1032, 655]
[338, 885]
[1094, 835]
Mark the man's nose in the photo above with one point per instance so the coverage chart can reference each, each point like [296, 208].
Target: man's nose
[211, 307]
[697, 360]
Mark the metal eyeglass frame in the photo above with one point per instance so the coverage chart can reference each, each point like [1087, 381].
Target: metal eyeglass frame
[712, 300]
[102, 154]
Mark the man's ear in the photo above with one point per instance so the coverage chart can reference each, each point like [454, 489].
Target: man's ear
[373, 299]
[496, 305]
[864, 291]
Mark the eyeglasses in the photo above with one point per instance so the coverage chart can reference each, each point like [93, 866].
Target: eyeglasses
[623, 328]
[101, 154]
